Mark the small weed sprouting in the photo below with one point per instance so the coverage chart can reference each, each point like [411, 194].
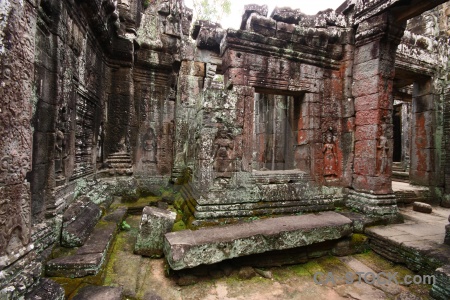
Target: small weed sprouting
[125, 226]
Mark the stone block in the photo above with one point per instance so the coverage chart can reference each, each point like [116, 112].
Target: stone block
[366, 149]
[365, 166]
[373, 101]
[284, 31]
[78, 222]
[366, 132]
[235, 76]
[99, 293]
[46, 289]
[371, 117]
[154, 224]
[186, 249]
[192, 68]
[250, 9]
[441, 287]
[422, 207]
[210, 38]
[287, 15]
[447, 234]
[377, 185]
[262, 25]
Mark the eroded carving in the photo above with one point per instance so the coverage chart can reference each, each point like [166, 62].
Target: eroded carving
[14, 218]
[330, 157]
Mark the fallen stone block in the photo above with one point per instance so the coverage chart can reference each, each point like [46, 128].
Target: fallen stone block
[441, 287]
[187, 249]
[93, 292]
[46, 289]
[89, 258]
[78, 222]
[155, 223]
[422, 207]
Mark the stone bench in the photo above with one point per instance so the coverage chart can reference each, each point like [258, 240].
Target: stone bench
[187, 249]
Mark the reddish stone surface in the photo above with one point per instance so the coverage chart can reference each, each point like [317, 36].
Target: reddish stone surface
[365, 166]
[366, 132]
[366, 149]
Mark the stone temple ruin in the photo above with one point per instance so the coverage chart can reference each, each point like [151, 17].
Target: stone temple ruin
[104, 100]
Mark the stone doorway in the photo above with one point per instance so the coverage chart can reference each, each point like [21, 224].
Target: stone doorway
[277, 125]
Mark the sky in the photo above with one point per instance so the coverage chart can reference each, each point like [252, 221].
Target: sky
[309, 7]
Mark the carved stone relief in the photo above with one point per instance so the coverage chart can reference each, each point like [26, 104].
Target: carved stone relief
[330, 161]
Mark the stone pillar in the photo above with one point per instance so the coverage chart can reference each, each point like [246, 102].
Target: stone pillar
[17, 44]
[376, 43]
[447, 233]
[189, 98]
[423, 135]
[406, 135]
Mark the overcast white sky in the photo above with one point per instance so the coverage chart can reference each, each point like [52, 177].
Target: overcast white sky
[309, 7]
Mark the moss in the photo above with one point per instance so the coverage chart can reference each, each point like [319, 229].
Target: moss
[70, 285]
[145, 3]
[178, 226]
[374, 261]
[299, 270]
[185, 177]
[313, 267]
[358, 238]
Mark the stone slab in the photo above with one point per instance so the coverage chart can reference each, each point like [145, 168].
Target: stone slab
[89, 258]
[187, 249]
[93, 292]
[78, 222]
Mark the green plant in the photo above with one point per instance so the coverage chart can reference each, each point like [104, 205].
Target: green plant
[145, 3]
[125, 226]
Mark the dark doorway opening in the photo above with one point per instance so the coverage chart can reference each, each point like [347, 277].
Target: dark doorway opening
[397, 122]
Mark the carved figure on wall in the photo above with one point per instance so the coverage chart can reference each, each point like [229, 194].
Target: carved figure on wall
[100, 139]
[150, 144]
[330, 158]
[223, 146]
[59, 147]
[383, 148]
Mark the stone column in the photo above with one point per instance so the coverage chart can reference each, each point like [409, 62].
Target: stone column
[17, 55]
[376, 43]
[189, 98]
[424, 135]
[447, 233]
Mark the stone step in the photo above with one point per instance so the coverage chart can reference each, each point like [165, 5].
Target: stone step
[399, 175]
[121, 166]
[187, 249]
[93, 292]
[120, 157]
[408, 197]
[89, 258]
